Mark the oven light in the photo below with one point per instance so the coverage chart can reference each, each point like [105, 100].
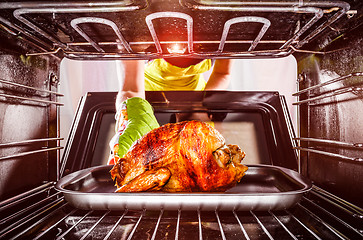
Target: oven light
[176, 48]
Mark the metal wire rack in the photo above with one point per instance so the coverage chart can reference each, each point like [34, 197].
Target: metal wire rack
[320, 215]
[325, 93]
[319, 15]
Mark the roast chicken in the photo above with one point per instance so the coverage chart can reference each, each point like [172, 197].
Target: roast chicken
[180, 157]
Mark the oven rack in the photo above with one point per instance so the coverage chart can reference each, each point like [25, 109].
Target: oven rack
[24, 22]
[26, 100]
[355, 146]
[28, 96]
[31, 90]
[320, 215]
[322, 94]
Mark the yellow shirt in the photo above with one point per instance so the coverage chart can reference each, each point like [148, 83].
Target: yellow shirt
[163, 76]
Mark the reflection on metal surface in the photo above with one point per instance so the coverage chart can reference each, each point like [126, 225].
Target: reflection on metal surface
[136, 225]
[220, 225]
[31, 88]
[303, 225]
[55, 224]
[29, 208]
[281, 189]
[70, 7]
[342, 204]
[237, 54]
[29, 141]
[147, 43]
[30, 99]
[334, 80]
[331, 142]
[261, 225]
[70, 229]
[94, 225]
[280, 6]
[157, 224]
[334, 217]
[200, 225]
[318, 219]
[357, 159]
[353, 90]
[177, 225]
[29, 153]
[33, 214]
[344, 7]
[266, 24]
[318, 13]
[313, 217]
[241, 226]
[157, 15]
[77, 21]
[116, 224]
[24, 196]
[283, 225]
[40, 44]
[74, 4]
[44, 53]
[313, 10]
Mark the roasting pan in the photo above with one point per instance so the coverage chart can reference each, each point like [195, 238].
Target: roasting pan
[264, 187]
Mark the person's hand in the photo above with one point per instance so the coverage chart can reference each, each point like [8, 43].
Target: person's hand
[134, 119]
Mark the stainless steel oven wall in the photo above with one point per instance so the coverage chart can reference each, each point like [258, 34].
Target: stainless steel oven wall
[331, 115]
[28, 117]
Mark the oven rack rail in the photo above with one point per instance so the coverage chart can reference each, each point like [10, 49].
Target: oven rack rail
[319, 215]
[25, 95]
[355, 146]
[328, 142]
[30, 91]
[313, 97]
[22, 12]
[323, 93]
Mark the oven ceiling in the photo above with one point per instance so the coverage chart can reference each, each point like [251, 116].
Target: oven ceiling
[145, 29]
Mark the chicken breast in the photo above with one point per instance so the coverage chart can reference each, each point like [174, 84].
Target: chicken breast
[180, 157]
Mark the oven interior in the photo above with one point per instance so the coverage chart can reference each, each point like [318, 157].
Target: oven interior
[324, 37]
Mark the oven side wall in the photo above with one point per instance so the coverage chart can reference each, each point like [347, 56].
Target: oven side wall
[338, 117]
[26, 115]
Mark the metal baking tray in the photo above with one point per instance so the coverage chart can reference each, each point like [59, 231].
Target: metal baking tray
[264, 187]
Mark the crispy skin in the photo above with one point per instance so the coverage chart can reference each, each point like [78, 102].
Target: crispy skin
[180, 157]
[151, 180]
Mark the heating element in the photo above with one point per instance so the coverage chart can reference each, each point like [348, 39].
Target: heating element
[320, 215]
[202, 35]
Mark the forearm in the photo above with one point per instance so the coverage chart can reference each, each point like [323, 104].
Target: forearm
[123, 95]
[133, 83]
[218, 81]
[221, 74]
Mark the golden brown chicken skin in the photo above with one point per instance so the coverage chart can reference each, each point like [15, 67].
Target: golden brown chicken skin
[180, 157]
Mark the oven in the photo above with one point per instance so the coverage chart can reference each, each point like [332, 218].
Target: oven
[324, 148]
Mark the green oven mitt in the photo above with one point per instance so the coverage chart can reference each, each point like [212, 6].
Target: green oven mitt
[134, 119]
